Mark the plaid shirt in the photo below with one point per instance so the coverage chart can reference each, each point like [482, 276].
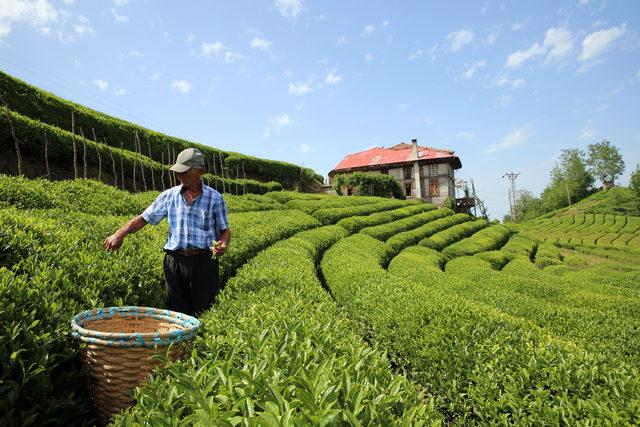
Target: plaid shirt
[195, 226]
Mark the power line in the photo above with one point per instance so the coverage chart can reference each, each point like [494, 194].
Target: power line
[59, 82]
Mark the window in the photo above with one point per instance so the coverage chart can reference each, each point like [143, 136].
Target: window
[407, 189]
[433, 170]
[434, 187]
[408, 171]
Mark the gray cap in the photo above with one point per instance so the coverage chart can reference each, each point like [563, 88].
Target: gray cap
[187, 159]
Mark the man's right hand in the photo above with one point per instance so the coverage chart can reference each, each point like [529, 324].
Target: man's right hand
[113, 242]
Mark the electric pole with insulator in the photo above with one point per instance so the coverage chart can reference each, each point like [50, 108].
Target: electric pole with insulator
[511, 176]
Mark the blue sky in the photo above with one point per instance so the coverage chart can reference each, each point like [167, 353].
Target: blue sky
[506, 85]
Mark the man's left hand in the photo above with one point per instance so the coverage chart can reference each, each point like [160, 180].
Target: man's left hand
[219, 248]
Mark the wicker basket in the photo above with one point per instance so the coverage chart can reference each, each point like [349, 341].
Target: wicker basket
[120, 343]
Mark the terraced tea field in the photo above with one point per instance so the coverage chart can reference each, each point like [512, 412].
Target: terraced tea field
[336, 311]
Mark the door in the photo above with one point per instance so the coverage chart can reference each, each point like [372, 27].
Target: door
[434, 187]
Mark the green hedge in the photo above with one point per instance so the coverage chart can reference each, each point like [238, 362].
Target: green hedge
[487, 239]
[276, 350]
[481, 365]
[43, 106]
[385, 231]
[356, 223]
[369, 184]
[446, 237]
[31, 135]
[332, 215]
[413, 237]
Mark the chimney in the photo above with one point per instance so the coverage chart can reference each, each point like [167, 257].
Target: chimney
[414, 150]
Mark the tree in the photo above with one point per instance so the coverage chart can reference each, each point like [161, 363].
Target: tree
[634, 185]
[572, 175]
[528, 206]
[605, 162]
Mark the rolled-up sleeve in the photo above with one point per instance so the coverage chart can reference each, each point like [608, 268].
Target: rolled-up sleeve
[221, 214]
[158, 210]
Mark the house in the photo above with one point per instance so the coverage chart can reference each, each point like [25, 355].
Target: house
[424, 172]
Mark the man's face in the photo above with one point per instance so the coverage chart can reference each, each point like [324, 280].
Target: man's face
[190, 177]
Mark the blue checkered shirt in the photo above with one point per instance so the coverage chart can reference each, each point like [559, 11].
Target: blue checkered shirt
[190, 227]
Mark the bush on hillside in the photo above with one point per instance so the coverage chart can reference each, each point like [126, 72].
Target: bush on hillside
[367, 184]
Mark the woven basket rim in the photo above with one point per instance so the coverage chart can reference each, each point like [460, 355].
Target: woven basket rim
[143, 339]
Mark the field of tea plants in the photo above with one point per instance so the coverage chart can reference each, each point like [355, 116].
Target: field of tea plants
[336, 311]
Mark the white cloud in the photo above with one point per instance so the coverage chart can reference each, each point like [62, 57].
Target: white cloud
[491, 39]
[427, 121]
[155, 76]
[299, 105]
[368, 30]
[280, 120]
[45, 30]
[190, 38]
[368, 57]
[472, 69]
[484, 8]
[385, 23]
[120, 2]
[597, 43]
[289, 8]
[518, 83]
[504, 100]
[403, 106]
[333, 79]
[603, 107]
[466, 135]
[559, 41]
[516, 59]
[209, 49]
[502, 80]
[119, 91]
[260, 43]
[135, 54]
[305, 148]
[36, 13]
[84, 27]
[459, 38]
[299, 88]
[119, 18]
[517, 26]
[69, 2]
[101, 84]
[181, 86]
[230, 57]
[415, 55]
[342, 40]
[287, 73]
[513, 138]
[587, 133]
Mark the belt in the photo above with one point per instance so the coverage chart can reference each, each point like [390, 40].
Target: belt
[189, 252]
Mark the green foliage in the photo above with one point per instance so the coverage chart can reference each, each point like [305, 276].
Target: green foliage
[310, 206]
[634, 184]
[277, 351]
[60, 153]
[497, 259]
[450, 235]
[356, 223]
[487, 239]
[412, 237]
[474, 359]
[605, 162]
[449, 203]
[385, 231]
[290, 175]
[370, 184]
[332, 215]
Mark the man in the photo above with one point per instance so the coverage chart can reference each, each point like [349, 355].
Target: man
[198, 218]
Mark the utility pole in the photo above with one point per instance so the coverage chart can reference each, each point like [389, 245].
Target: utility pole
[512, 193]
[475, 200]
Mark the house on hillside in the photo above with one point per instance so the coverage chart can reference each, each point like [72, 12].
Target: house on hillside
[423, 172]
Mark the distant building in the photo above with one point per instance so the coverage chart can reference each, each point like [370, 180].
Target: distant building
[423, 172]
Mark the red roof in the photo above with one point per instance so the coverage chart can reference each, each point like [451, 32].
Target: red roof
[400, 153]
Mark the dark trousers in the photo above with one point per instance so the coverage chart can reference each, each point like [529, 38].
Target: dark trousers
[192, 282]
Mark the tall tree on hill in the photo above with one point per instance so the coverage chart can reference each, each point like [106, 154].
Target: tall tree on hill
[605, 162]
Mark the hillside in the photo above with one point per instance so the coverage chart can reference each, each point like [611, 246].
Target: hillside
[342, 310]
[615, 201]
[39, 114]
